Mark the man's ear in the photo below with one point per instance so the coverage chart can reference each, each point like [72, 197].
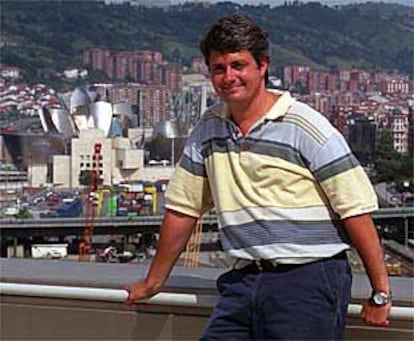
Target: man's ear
[264, 64]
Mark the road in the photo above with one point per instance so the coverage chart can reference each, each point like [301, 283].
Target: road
[387, 193]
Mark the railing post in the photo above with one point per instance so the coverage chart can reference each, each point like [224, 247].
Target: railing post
[405, 231]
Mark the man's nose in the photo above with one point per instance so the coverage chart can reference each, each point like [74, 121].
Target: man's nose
[229, 74]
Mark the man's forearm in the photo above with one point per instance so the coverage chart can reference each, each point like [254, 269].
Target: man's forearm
[364, 237]
[175, 232]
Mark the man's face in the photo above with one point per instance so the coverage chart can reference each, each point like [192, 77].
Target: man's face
[236, 77]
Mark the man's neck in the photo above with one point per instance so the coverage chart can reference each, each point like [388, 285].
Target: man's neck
[245, 115]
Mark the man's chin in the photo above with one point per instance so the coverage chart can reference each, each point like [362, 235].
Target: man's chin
[233, 90]
[233, 95]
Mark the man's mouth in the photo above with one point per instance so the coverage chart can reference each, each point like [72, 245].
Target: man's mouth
[232, 87]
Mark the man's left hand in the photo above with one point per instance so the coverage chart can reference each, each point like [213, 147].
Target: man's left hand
[375, 315]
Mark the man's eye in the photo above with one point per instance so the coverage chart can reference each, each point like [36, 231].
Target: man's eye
[238, 66]
[217, 70]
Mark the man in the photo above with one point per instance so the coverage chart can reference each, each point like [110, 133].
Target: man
[290, 198]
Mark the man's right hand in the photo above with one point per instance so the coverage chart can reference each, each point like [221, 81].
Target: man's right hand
[138, 291]
[175, 232]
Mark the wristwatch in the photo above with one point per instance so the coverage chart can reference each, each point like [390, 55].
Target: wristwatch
[380, 298]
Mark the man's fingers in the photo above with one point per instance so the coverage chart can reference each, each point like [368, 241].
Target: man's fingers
[386, 323]
[372, 322]
[379, 324]
[129, 301]
[137, 291]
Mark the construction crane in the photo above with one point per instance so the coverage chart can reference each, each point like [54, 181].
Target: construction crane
[192, 255]
[85, 244]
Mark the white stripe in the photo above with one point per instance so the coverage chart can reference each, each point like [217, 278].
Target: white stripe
[249, 214]
[289, 253]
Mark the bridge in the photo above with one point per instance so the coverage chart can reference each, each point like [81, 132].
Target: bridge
[11, 227]
[74, 226]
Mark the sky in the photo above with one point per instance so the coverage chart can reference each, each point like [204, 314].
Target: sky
[326, 2]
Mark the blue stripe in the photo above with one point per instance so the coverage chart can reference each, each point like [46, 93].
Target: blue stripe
[219, 145]
[276, 149]
[263, 147]
[264, 232]
[192, 167]
[336, 167]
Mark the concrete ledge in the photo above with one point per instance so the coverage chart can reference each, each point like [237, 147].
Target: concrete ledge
[46, 299]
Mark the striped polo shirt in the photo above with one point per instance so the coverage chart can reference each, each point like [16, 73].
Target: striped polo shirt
[279, 191]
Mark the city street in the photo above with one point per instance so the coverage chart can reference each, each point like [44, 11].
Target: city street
[387, 192]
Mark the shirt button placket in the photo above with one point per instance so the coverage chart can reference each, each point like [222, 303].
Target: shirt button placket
[244, 147]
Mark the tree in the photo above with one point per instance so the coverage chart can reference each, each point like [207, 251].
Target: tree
[24, 213]
[84, 177]
[387, 161]
[393, 167]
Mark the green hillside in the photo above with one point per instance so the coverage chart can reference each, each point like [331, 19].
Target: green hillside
[53, 34]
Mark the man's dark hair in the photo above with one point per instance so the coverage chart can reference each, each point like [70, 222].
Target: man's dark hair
[235, 33]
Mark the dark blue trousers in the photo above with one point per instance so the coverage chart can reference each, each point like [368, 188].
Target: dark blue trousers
[287, 302]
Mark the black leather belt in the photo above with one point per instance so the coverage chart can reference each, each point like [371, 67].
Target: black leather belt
[271, 265]
[265, 265]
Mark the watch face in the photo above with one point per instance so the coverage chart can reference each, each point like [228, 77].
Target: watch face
[378, 299]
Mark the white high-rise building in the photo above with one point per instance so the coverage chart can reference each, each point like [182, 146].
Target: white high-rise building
[399, 130]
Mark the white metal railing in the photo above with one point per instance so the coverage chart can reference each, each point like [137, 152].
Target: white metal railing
[99, 294]
[120, 296]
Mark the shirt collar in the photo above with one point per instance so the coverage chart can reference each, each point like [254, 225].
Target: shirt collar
[281, 106]
[279, 109]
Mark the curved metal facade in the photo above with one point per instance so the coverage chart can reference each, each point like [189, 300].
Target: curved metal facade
[62, 122]
[171, 129]
[102, 114]
[79, 99]
[122, 109]
[80, 110]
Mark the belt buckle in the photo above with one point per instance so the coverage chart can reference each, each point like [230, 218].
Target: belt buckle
[266, 263]
[274, 262]
[241, 263]
[259, 264]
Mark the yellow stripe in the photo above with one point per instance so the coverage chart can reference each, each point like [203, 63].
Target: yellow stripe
[348, 202]
[274, 182]
[270, 182]
[188, 193]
